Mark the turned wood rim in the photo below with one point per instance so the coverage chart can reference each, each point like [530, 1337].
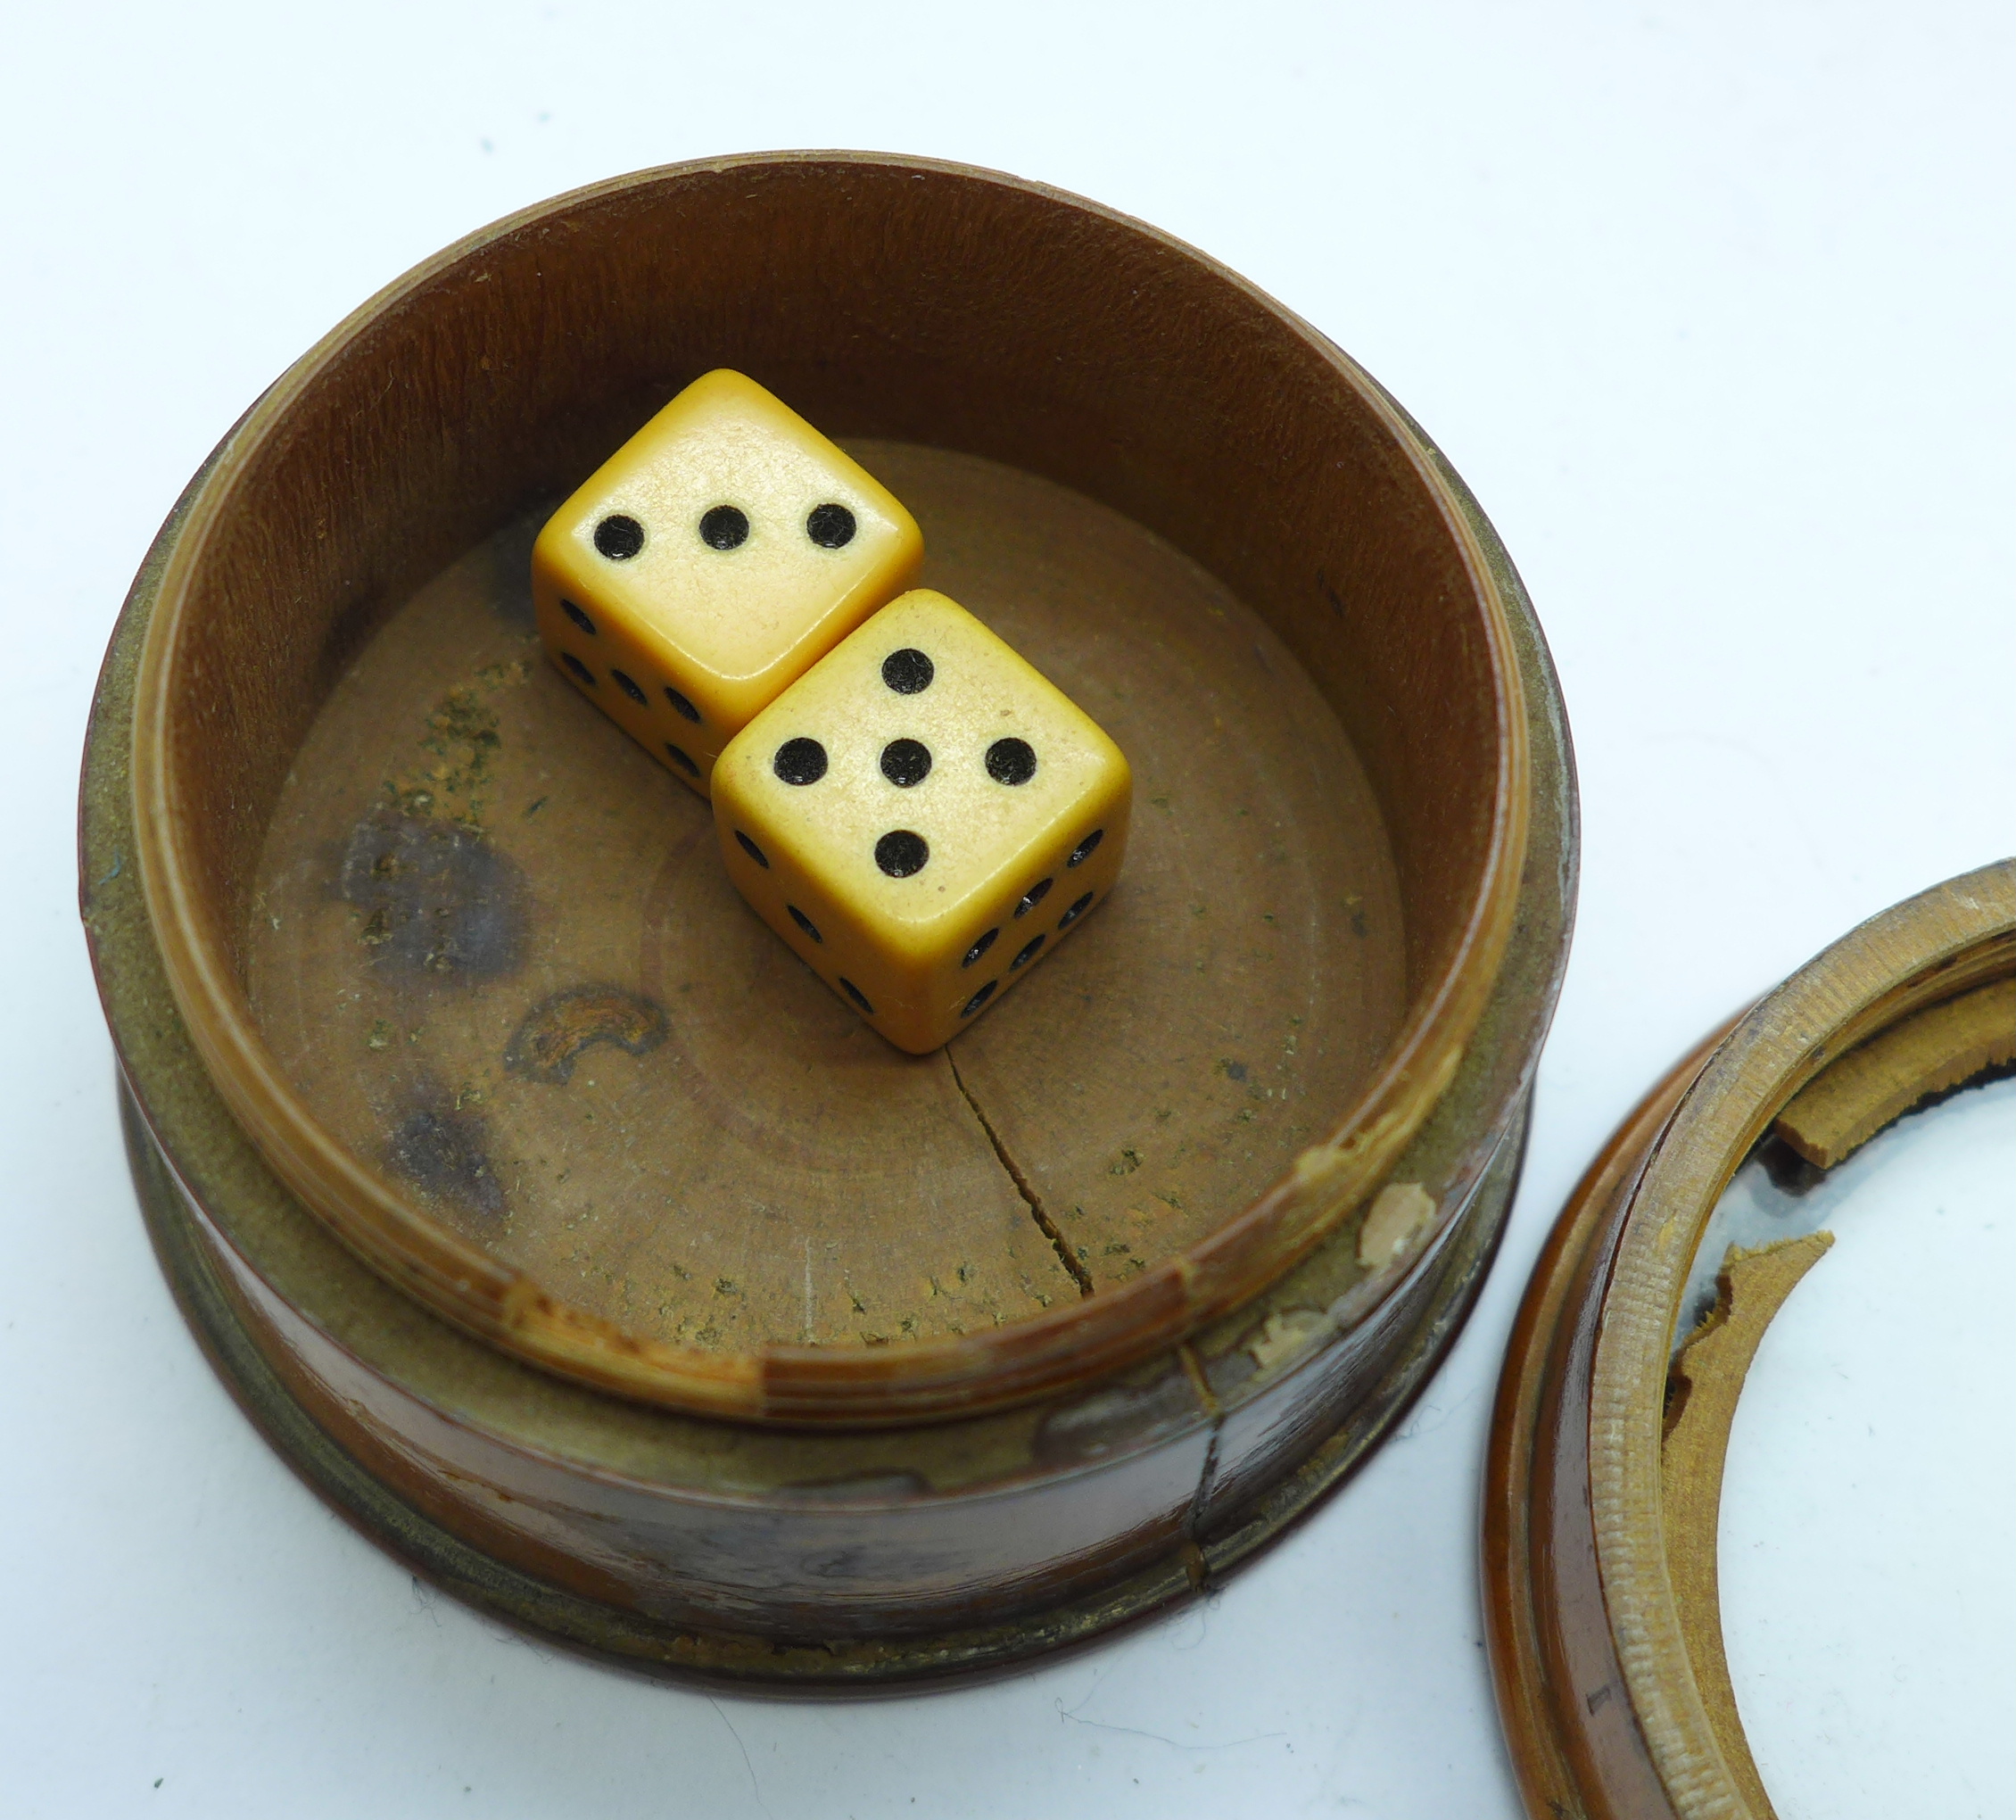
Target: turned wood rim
[1599, 1692]
[689, 1656]
[798, 1384]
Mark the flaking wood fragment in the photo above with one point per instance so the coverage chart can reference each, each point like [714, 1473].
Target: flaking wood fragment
[1285, 1333]
[1701, 1397]
[1397, 1214]
[1930, 1052]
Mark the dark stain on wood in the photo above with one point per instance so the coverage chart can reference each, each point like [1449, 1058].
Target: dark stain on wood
[1148, 1081]
[560, 1027]
[442, 1150]
[433, 898]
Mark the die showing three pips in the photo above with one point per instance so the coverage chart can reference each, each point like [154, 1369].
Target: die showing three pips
[711, 561]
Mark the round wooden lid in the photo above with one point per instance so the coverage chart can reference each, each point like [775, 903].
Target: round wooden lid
[1603, 1484]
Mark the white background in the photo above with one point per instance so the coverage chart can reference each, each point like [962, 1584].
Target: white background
[1711, 304]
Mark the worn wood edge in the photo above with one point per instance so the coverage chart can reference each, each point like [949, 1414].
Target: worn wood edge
[1515, 1022]
[1462, 1268]
[607, 1633]
[1834, 1116]
[796, 1384]
[1930, 1053]
[1932, 946]
[140, 1011]
[750, 1663]
[1538, 1702]
[1708, 1377]
[179, 1098]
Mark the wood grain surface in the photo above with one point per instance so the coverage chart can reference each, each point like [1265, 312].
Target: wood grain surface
[1705, 1386]
[493, 945]
[1603, 1483]
[1957, 935]
[898, 302]
[1924, 1056]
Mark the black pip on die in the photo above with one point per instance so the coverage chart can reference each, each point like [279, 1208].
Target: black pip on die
[709, 563]
[922, 816]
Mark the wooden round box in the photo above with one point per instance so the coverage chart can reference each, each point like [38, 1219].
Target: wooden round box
[551, 1219]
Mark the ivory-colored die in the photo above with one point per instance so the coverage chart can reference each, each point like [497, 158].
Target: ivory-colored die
[710, 562]
[922, 816]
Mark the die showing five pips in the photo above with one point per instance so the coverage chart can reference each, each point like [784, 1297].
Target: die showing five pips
[915, 797]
